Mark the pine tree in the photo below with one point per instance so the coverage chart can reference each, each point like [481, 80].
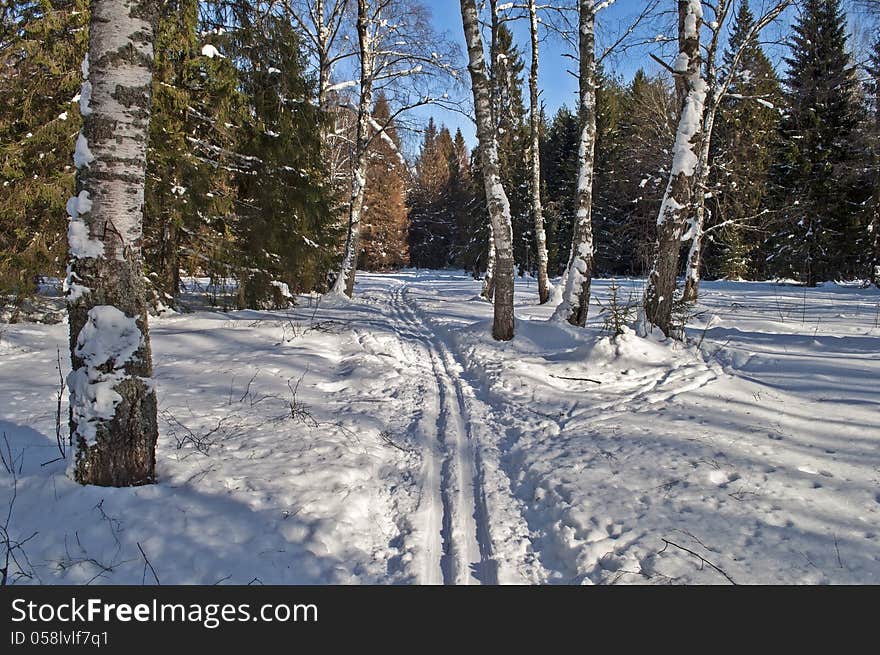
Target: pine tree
[822, 230]
[39, 121]
[384, 240]
[747, 122]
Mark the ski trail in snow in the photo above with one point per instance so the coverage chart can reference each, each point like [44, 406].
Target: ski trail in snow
[463, 529]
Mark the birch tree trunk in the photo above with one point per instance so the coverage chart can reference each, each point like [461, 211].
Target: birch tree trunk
[660, 290]
[112, 399]
[695, 255]
[534, 120]
[716, 90]
[488, 291]
[499, 205]
[579, 274]
[345, 281]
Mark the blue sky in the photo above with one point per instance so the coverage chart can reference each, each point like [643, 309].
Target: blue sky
[558, 85]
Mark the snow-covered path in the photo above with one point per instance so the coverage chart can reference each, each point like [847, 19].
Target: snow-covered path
[455, 519]
[391, 440]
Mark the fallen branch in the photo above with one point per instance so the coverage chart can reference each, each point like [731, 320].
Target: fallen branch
[147, 563]
[697, 555]
[562, 377]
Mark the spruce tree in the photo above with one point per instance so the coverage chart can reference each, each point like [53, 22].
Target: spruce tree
[513, 140]
[873, 227]
[745, 129]
[820, 162]
[44, 42]
[646, 133]
[559, 169]
[283, 224]
[461, 196]
[189, 175]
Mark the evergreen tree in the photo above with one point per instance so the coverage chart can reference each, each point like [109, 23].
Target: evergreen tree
[189, 175]
[384, 240]
[609, 207]
[513, 140]
[432, 227]
[44, 44]
[462, 197]
[646, 133]
[745, 129]
[821, 160]
[559, 154]
[873, 229]
[282, 221]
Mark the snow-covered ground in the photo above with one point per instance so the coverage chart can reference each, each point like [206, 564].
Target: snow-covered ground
[390, 440]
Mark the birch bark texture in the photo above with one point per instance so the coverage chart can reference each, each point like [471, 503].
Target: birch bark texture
[575, 304]
[676, 205]
[496, 197]
[345, 281]
[716, 90]
[488, 290]
[112, 398]
[535, 155]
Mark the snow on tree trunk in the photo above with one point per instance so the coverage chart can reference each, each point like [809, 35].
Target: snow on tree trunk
[534, 126]
[660, 290]
[488, 291]
[499, 205]
[345, 281]
[579, 274]
[112, 399]
[695, 254]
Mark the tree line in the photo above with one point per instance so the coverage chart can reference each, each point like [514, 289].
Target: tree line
[259, 144]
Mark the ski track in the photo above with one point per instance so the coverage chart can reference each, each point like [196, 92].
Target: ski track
[518, 469]
[454, 527]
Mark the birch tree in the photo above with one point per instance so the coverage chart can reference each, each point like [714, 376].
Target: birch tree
[579, 273]
[112, 398]
[717, 86]
[400, 56]
[535, 156]
[496, 197]
[575, 304]
[674, 211]
[324, 26]
[488, 291]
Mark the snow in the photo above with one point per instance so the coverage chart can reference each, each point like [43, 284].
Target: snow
[389, 439]
[79, 241]
[209, 51]
[106, 343]
[82, 156]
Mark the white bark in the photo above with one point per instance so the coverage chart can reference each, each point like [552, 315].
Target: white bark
[535, 154]
[496, 197]
[366, 33]
[674, 210]
[112, 400]
[578, 278]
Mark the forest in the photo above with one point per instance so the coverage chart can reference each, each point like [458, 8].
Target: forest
[370, 266]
